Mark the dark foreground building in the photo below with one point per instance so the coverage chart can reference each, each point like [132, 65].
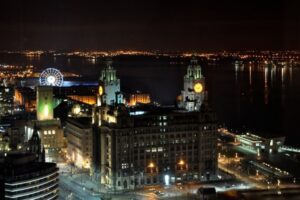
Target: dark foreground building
[22, 177]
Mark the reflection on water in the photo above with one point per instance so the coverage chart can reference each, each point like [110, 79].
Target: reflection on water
[250, 75]
[266, 89]
[253, 96]
[263, 98]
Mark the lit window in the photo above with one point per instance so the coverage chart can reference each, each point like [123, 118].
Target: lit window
[124, 165]
[271, 143]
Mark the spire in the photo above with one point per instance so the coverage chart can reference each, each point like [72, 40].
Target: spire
[35, 136]
[34, 144]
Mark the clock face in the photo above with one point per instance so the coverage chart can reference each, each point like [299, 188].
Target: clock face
[198, 87]
[100, 90]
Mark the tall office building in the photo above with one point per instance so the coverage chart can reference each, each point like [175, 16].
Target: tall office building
[193, 93]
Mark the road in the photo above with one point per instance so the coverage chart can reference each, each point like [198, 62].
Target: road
[71, 190]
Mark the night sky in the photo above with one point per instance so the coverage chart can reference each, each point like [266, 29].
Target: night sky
[186, 25]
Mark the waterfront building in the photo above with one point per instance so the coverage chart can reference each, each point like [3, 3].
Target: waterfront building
[156, 145]
[152, 145]
[111, 85]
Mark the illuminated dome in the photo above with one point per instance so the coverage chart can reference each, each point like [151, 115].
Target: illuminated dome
[51, 77]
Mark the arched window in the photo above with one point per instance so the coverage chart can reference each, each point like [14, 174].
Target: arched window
[125, 184]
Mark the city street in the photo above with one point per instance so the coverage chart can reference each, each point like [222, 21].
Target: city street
[77, 184]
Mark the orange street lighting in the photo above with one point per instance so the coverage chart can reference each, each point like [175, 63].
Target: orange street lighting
[151, 165]
[181, 162]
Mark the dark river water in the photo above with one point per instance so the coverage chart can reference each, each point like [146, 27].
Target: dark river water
[251, 98]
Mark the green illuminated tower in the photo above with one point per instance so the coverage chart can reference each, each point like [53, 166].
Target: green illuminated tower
[44, 101]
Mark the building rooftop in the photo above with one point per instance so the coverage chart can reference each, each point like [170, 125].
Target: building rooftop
[256, 138]
[20, 166]
[82, 122]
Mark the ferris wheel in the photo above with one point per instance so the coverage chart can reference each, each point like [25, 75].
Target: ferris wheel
[51, 77]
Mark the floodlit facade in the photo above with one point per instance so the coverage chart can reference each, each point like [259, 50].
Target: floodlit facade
[139, 98]
[193, 92]
[111, 85]
[51, 135]
[79, 136]
[152, 145]
[44, 103]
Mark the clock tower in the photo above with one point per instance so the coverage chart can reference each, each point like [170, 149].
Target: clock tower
[193, 93]
[110, 87]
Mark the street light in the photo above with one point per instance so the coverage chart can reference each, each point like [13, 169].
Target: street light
[151, 165]
[181, 162]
